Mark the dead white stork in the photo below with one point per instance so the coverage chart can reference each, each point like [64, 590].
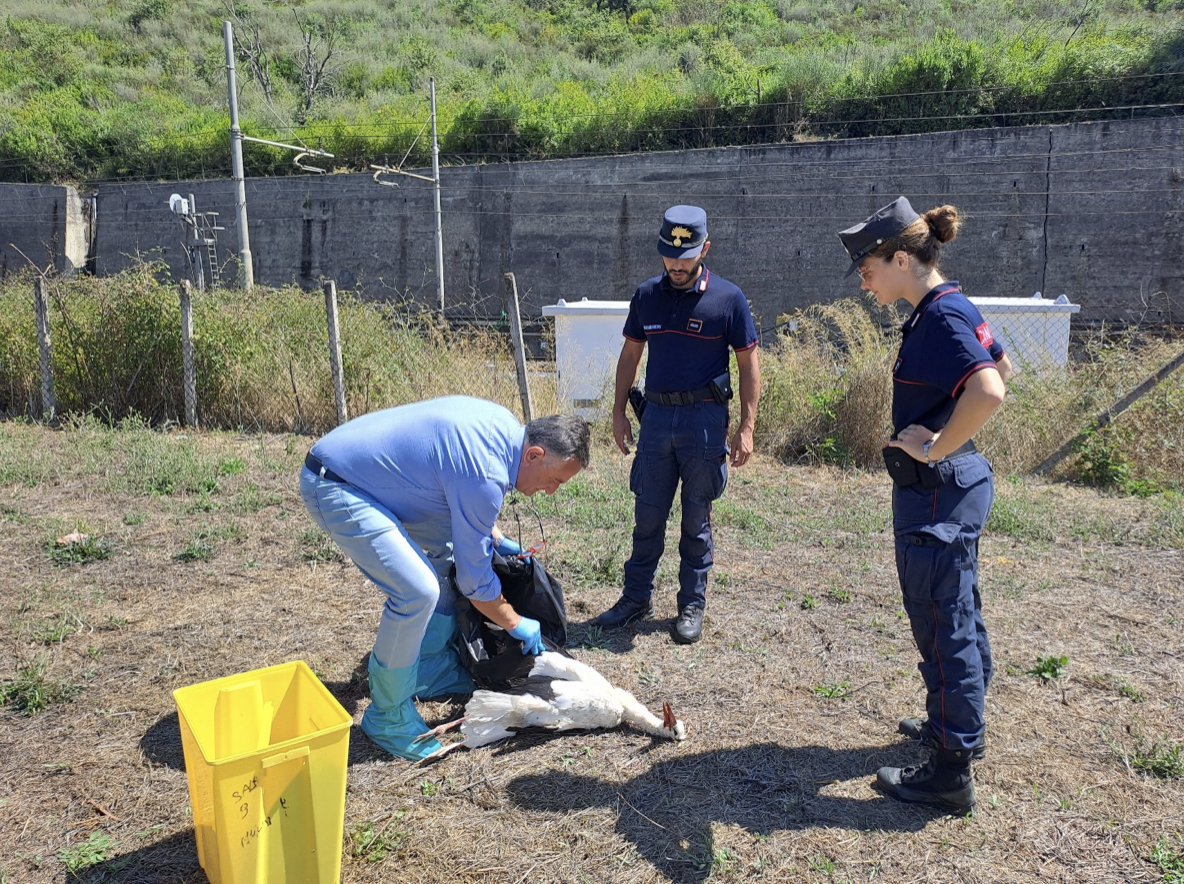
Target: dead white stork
[561, 694]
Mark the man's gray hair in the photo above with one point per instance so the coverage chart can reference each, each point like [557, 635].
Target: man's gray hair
[563, 436]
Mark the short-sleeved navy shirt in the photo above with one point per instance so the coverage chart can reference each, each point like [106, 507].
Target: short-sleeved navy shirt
[946, 340]
[688, 330]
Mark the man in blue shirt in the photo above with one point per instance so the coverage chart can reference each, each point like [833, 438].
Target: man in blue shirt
[408, 491]
[690, 319]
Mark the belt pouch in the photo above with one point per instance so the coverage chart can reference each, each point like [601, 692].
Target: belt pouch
[721, 388]
[931, 476]
[903, 469]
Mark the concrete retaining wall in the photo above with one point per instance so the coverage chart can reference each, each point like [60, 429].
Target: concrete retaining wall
[1091, 210]
[43, 225]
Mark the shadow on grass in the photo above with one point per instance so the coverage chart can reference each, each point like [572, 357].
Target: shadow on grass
[667, 812]
[623, 640]
[173, 859]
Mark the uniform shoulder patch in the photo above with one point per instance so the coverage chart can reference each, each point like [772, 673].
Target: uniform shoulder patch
[983, 332]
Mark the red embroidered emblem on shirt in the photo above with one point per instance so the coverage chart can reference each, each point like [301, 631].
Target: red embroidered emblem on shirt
[984, 335]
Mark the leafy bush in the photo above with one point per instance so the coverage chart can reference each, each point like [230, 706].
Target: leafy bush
[82, 856]
[1050, 667]
[261, 362]
[826, 385]
[113, 96]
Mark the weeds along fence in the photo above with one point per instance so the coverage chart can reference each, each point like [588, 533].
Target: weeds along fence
[827, 391]
[262, 363]
[261, 360]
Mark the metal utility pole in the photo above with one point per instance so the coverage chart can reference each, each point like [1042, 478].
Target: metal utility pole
[330, 288]
[519, 348]
[436, 177]
[188, 369]
[236, 164]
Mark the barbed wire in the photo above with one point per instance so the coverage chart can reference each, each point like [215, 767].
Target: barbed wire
[357, 131]
[803, 102]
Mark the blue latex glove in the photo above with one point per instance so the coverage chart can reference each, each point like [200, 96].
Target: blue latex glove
[530, 634]
[507, 547]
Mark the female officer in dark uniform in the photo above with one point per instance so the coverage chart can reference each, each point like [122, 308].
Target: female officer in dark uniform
[947, 381]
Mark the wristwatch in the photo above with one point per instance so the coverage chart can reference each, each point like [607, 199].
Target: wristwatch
[925, 449]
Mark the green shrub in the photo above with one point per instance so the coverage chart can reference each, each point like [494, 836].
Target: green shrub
[827, 387]
[261, 362]
[82, 856]
[110, 94]
[1049, 668]
[33, 690]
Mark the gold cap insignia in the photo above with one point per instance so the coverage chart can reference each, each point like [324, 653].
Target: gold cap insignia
[678, 234]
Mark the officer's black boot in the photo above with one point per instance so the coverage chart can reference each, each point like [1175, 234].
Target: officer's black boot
[915, 728]
[944, 781]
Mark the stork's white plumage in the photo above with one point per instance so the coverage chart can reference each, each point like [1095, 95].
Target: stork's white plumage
[560, 694]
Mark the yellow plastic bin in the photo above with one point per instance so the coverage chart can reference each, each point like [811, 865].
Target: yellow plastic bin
[266, 755]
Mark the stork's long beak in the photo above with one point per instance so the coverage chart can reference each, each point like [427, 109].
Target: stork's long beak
[668, 719]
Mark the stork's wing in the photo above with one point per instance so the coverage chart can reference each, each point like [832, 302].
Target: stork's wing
[560, 666]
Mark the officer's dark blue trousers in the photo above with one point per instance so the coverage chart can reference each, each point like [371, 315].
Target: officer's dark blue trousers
[687, 444]
[937, 532]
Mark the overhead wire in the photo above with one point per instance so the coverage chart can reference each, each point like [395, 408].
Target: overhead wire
[384, 132]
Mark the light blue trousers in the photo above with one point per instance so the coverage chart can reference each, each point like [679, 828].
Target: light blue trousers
[409, 563]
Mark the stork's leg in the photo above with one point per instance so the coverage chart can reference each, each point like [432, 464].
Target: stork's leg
[440, 730]
[440, 753]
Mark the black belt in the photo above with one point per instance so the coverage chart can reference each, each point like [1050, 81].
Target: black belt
[681, 397]
[965, 448]
[314, 465]
[905, 471]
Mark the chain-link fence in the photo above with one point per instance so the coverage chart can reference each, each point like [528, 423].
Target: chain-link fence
[119, 346]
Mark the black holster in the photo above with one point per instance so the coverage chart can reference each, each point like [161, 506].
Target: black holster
[637, 402]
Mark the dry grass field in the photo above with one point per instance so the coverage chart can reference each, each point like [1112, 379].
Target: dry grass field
[201, 563]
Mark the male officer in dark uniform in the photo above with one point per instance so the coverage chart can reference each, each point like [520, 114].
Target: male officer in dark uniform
[690, 318]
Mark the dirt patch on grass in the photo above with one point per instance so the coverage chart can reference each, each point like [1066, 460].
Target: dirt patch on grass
[791, 699]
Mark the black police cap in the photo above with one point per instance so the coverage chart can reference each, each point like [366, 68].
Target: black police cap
[869, 234]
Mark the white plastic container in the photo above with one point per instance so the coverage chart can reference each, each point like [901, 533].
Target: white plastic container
[587, 343]
[1034, 331]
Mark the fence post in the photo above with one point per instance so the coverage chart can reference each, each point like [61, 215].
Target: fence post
[335, 350]
[44, 353]
[519, 349]
[189, 372]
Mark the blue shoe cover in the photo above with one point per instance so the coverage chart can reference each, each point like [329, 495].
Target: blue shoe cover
[391, 720]
[440, 669]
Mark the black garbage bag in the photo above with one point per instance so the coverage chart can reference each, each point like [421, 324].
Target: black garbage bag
[493, 657]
